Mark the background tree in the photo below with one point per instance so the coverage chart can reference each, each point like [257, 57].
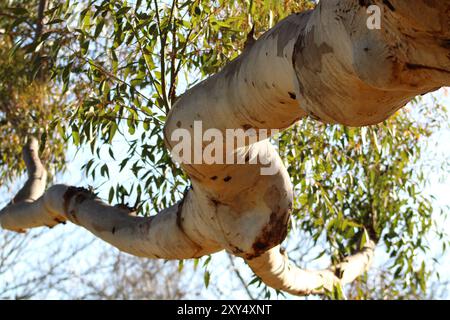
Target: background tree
[29, 103]
[132, 57]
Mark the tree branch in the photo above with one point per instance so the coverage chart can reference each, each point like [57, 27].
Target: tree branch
[325, 63]
[275, 270]
[40, 18]
[161, 236]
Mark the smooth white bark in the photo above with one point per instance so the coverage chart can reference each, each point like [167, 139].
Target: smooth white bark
[324, 63]
[275, 269]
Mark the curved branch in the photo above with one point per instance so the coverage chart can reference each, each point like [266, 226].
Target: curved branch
[275, 270]
[37, 175]
[30, 193]
[325, 63]
[161, 236]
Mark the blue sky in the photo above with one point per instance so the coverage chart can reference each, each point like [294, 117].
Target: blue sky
[226, 284]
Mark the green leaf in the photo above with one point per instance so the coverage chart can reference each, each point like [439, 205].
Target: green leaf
[206, 278]
[18, 10]
[75, 135]
[111, 195]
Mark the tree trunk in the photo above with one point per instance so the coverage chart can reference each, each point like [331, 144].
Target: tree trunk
[325, 63]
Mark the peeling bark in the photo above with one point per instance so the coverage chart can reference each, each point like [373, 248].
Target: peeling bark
[324, 63]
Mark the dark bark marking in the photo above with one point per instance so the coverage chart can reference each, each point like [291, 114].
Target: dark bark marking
[73, 216]
[236, 250]
[446, 43]
[125, 206]
[313, 116]
[292, 95]
[276, 230]
[80, 194]
[365, 3]
[389, 5]
[179, 213]
[57, 220]
[272, 234]
[412, 66]
[215, 202]
[310, 59]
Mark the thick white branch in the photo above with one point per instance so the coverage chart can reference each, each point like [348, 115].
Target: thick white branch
[37, 175]
[275, 270]
[160, 236]
[325, 63]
